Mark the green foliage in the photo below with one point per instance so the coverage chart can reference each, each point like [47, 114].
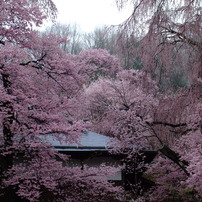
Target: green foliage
[137, 63]
[149, 176]
[178, 79]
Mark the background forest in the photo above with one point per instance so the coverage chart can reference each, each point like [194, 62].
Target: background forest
[139, 83]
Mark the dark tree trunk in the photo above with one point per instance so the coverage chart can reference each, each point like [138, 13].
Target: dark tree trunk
[7, 159]
[175, 157]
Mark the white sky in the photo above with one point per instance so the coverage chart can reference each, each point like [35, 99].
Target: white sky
[89, 14]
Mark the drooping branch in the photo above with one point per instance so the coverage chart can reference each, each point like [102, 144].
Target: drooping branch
[166, 124]
[167, 151]
[175, 157]
[183, 38]
[54, 79]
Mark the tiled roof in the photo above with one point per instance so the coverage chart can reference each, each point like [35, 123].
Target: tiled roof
[88, 141]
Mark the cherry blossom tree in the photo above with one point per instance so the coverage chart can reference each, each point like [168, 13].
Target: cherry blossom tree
[107, 97]
[178, 124]
[37, 82]
[95, 63]
[171, 36]
[42, 88]
[131, 109]
[122, 107]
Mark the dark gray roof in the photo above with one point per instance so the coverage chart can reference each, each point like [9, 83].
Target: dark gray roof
[88, 141]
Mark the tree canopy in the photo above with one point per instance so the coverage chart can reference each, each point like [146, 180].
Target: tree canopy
[152, 103]
[38, 80]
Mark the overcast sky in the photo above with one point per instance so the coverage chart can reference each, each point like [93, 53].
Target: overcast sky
[89, 14]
